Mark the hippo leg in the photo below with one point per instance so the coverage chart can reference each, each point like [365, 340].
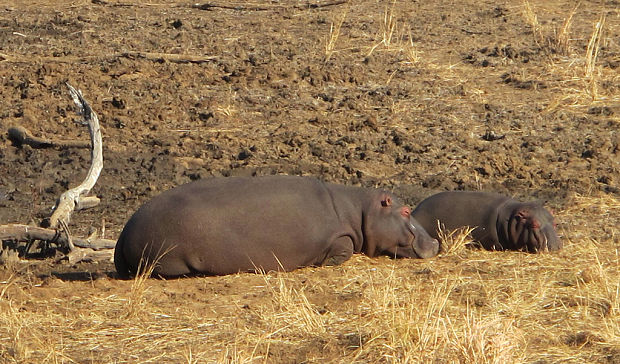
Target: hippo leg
[339, 252]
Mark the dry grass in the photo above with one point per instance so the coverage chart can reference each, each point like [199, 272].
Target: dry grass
[594, 45]
[456, 241]
[554, 40]
[466, 306]
[562, 36]
[139, 287]
[388, 27]
[334, 34]
[532, 20]
[574, 77]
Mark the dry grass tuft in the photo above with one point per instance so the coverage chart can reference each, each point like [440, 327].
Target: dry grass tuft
[602, 205]
[489, 340]
[594, 45]
[295, 311]
[137, 301]
[387, 30]
[412, 55]
[532, 20]
[334, 34]
[556, 41]
[577, 79]
[455, 241]
[562, 37]
[13, 348]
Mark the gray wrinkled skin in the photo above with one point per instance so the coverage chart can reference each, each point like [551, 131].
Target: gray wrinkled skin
[227, 225]
[501, 223]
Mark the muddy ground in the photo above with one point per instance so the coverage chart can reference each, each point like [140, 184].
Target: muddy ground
[412, 96]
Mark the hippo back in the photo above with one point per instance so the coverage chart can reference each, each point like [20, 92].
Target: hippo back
[226, 225]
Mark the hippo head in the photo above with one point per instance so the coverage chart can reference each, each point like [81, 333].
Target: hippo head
[390, 230]
[531, 227]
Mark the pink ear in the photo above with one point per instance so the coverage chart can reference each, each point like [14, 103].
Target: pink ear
[535, 223]
[386, 202]
[405, 211]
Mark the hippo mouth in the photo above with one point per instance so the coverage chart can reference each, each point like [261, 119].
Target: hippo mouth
[542, 242]
[536, 240]
[411, 243]
[420, 251]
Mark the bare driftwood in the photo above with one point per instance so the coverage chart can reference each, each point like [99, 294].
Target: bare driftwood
[68, 200]
[73, 199]
[85, 254]
[169, 57]
[241, 6]
[20, 136]
[266, 7]
[24, 233]
[151, 56]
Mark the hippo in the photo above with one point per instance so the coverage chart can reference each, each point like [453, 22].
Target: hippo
[227, 225]
[499, 222]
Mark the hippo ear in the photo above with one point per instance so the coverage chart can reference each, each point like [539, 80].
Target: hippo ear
[522, 214]
[525, 216]
[405, 211]
[386, 201]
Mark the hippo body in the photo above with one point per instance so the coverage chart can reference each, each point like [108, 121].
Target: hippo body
[500, 222]
[227, 225]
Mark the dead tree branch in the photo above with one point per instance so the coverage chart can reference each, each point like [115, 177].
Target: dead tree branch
[73, 199]
[169, 57]
[68, 200]
[249, 7]
[25, 233]
[150, 56]
[20, 136]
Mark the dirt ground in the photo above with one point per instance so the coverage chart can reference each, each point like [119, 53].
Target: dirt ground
[413, 96]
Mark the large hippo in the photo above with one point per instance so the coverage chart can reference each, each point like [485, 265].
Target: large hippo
[227, 225]
[500, 222]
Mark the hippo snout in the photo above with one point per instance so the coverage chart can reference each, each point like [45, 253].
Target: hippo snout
[424, 245]
[551, 241]
[427, 249]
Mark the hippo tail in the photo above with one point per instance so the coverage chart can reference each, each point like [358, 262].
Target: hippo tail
[120, 262]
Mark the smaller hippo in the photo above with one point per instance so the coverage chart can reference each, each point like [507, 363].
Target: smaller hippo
[499, 222]
[228, 225]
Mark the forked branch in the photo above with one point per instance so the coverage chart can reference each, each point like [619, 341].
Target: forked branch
[71, 198]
